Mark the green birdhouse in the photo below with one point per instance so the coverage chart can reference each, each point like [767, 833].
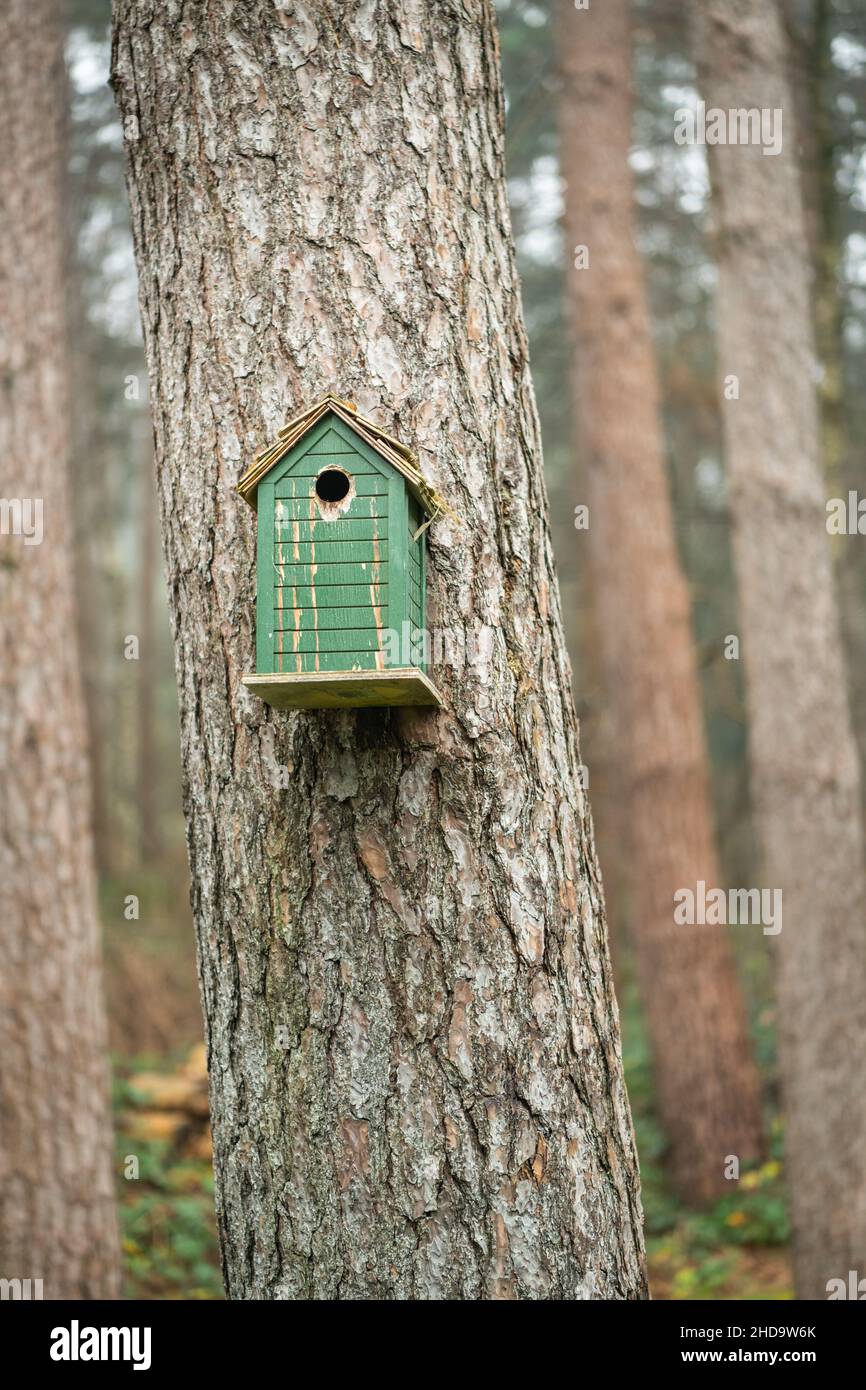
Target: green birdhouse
[341, 565]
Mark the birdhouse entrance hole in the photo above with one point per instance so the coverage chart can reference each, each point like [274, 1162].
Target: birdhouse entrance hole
[332, 485]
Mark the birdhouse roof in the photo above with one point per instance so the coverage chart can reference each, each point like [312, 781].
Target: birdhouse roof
[395, 453]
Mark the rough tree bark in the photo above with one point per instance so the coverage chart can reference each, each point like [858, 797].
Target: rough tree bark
[57, 1220]
[804, 768]
[414, 1050]
[706, 1079]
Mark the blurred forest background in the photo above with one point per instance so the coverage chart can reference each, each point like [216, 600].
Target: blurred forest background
[737, 1245]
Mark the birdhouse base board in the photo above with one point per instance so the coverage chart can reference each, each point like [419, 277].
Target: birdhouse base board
[405, 685]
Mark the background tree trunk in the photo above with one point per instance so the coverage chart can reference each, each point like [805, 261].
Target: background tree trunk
[822, 151]
[147, 771]
[706, 1081]
[89, 518]
[413, 1044]
[57, 1219]
[805, 775]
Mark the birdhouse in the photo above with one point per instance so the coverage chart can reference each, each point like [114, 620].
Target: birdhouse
[341, 565]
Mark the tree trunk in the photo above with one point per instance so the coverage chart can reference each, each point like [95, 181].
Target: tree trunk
[57, 1219]
[805, 775]
[414, 1050]
[815, 85]
[149, 838]
[706, 1081]
[88, 510]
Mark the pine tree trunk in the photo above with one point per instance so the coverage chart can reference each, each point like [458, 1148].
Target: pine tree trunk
[414, 1050]
[57, 1219]
[706, 1080]
[804, 768]
[88, 509]
[147, 771]
[813, 80]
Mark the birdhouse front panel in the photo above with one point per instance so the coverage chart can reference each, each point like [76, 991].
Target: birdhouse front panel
[341, 570]
[332, 560]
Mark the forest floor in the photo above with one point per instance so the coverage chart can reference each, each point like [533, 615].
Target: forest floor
[738, 1249]
[168, 1228]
